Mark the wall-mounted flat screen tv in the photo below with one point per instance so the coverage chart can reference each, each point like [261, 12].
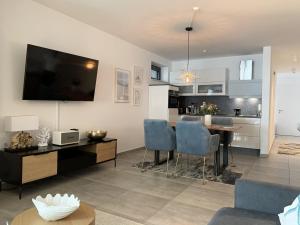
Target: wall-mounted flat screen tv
[55, 75]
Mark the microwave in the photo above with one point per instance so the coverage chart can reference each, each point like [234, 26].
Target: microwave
[173, 99]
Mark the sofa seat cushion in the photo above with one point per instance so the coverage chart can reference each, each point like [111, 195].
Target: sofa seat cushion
[235, 216]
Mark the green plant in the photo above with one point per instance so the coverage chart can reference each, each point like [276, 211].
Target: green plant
[208, 109]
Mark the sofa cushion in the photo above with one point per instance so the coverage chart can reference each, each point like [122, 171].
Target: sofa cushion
[235, 216]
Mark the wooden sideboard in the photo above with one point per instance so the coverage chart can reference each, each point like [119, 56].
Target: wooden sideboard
[20, 168]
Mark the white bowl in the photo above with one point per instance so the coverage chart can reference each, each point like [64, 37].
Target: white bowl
[52, 208]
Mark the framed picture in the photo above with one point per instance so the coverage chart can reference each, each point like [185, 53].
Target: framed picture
[122, 83]
[138, 75]
[137, 96]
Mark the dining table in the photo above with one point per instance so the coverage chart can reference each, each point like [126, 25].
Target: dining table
[225, 131]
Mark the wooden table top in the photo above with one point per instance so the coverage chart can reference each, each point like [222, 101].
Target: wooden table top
[85, 215]
[215, 127]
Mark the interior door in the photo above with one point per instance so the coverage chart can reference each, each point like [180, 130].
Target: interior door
[287, 104]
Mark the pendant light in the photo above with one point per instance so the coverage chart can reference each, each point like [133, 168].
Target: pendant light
[187, 75]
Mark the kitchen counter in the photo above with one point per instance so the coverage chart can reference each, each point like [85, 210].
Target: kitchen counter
[225, 115]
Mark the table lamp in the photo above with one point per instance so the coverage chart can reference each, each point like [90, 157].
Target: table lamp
[21, 140]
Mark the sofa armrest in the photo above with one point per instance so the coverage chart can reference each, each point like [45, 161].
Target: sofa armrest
[263, 196]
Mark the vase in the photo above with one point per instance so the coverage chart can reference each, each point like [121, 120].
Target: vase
[207, 120]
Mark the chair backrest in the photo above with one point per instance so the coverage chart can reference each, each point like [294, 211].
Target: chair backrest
[191, 118]
[159, 135]
[226, 121]
[192, 138]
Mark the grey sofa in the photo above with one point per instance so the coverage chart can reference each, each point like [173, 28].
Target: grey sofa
[256, 203]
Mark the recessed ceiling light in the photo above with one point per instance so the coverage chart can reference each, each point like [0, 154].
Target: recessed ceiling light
[204, 50]
[195, 8]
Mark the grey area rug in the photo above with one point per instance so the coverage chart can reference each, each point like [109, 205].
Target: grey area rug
[289, 149]
[191, 168]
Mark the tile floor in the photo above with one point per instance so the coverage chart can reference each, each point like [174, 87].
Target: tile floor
[126, 196]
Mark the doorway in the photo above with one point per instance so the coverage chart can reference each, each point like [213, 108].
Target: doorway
[287, 104]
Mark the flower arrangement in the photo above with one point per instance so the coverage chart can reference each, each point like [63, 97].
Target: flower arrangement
[208, 109]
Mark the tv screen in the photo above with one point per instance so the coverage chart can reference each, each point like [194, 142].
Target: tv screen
[55, 75]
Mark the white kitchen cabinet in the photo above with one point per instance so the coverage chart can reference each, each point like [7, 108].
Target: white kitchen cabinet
[159, 101]
[212, 88]
[213, 75]
[187, 89]
[248, 135]
[207, 82]
[176, 78]
[245, 88]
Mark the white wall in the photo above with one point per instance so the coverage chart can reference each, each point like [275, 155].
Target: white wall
[230, 62]
[267, 131]
[24, 21]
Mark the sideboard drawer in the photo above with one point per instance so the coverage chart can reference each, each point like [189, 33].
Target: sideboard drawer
[106, 151]
[36, 167]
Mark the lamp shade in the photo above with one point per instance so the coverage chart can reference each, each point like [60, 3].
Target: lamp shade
[21, 123]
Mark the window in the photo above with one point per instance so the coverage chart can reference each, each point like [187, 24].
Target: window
[155, 72]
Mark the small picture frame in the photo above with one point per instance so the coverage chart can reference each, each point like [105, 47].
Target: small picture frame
[137, 96]
[122, 84]
[138, 75]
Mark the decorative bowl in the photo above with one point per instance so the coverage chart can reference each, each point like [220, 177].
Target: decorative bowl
[52, 208]
[96, 134]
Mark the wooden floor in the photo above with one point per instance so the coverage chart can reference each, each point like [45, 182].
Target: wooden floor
[126, 196]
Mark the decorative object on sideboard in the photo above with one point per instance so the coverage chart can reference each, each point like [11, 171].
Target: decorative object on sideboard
[21, 141]
[137, 96]
[95, 135]
[43, 137]
[67, 137]
[122, 83]
[52, 208]
[208, 110]
[138, 75]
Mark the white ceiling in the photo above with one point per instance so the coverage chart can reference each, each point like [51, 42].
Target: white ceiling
[223, 27]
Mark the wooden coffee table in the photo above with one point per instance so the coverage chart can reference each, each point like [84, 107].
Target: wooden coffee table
[85, 215]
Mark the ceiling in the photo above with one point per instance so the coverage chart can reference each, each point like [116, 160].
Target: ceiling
[223, 28]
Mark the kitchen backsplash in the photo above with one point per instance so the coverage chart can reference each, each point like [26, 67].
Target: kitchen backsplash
[226, 105]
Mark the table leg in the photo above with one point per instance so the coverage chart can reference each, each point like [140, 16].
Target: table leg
[171, 155]
[20, 191]
[225, 149]
[0, 185]
[156, 157]
[217, 166]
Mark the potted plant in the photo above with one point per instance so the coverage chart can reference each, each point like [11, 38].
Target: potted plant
[208, 110]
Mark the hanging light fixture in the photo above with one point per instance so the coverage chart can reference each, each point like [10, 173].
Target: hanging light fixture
[188, 75]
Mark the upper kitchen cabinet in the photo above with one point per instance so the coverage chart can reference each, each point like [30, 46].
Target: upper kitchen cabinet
[212, 82]
[207, 82]
[245, 88]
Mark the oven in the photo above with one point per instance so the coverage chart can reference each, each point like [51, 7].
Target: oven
[173, 99]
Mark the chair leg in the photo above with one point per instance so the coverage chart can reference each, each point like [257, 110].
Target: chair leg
[203, 171]
[168, 157]
[231, 154]
[176, 164]
[145, 153]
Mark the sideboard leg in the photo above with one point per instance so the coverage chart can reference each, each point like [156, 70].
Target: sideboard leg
[20, 191]
[0, 185]
[115, 162]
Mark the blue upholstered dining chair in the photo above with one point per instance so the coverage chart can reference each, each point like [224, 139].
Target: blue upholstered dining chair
[224, 121]
[194, 138]
[159, 136]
